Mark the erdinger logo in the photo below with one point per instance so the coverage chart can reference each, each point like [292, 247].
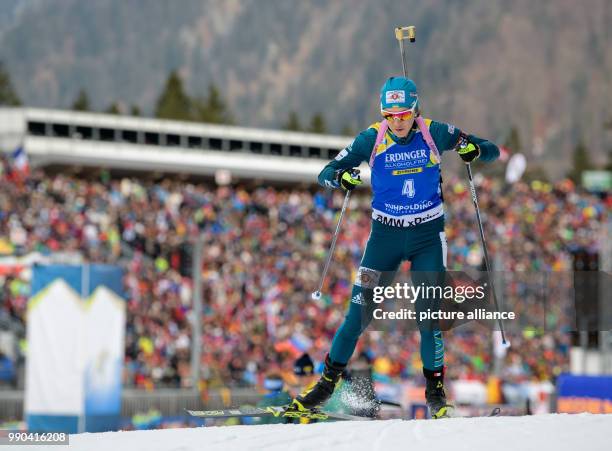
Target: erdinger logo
[405, 156]
[405, 160]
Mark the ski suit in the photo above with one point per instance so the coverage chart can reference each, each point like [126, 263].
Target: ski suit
[407, 222]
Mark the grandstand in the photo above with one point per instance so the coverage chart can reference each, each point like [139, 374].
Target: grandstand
[56, 137]
[263, 249]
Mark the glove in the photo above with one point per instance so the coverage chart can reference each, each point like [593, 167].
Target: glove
[348, 179]
[468, 152]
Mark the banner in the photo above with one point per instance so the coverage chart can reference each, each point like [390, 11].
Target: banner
[516, 168]
[584, 394]
[75, 335]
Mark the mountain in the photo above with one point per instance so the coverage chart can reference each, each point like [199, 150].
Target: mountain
[484, 65]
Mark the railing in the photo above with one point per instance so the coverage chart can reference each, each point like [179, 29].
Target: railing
[175, 401]
[167, 401]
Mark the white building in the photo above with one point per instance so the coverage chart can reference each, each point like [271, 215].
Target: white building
[74, 138]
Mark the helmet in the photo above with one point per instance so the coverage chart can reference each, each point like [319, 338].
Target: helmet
[399, 92]
[273, 382]
[303, 366]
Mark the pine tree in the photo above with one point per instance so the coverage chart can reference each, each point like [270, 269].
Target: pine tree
[347, 130]
[513, 143]
[608, 127]
[173, 102]
[580, 162]
[532, 173]
[81, 103]
[113, 108]
[8, 95]
[213, 108]
[293, 123]
[318, 124]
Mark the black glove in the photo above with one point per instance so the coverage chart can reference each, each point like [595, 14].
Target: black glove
[348, 179]
[467, 150]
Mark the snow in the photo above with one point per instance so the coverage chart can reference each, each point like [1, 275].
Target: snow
[556, 432]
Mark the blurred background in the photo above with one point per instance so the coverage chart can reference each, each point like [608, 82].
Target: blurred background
[179, 145]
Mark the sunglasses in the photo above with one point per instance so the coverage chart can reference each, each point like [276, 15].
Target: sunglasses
[401, 115]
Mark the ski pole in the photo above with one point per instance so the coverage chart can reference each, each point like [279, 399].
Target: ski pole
[330, 253]
[484, 249]
[401, 33]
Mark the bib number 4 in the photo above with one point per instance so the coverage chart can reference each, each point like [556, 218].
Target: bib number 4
[408, 189]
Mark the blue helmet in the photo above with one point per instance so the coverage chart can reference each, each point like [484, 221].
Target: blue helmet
[399, 92]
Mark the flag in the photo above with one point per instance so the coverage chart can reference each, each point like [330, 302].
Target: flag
[504, 153]
[20, 161]
[271, 309]
[516, 168]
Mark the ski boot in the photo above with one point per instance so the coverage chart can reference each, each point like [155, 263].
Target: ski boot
[435, 395]
[314, 397]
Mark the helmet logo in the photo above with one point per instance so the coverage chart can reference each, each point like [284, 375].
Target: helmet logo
[395, 96]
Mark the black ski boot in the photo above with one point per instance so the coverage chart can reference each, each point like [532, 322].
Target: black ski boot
[435, 395]
[320, 393]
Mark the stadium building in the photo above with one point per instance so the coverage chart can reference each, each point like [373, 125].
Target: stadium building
[71, 138]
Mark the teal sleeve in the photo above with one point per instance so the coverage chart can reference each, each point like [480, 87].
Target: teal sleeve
[446, 137]
[488, 150]
[351, 156]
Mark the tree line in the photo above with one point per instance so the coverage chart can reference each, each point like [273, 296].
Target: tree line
[174, 102]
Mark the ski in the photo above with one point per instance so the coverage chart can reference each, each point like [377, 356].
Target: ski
[281, 412]
[495, 412]
[275, 411]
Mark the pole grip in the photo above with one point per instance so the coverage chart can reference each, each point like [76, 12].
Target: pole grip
[402, 33]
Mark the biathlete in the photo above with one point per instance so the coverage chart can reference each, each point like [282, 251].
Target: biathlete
[403, 151]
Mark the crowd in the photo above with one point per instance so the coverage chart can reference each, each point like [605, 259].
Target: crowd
[263, 252]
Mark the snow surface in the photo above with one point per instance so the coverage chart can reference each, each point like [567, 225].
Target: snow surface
[555, 432]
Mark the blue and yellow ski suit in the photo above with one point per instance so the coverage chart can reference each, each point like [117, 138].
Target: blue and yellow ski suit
[407, 222]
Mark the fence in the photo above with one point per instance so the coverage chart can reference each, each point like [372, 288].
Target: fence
[167, 401]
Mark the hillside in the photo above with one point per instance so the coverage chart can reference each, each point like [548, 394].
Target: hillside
[485, 65]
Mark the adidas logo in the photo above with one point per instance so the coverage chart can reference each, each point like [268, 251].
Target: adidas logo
[358, 299]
